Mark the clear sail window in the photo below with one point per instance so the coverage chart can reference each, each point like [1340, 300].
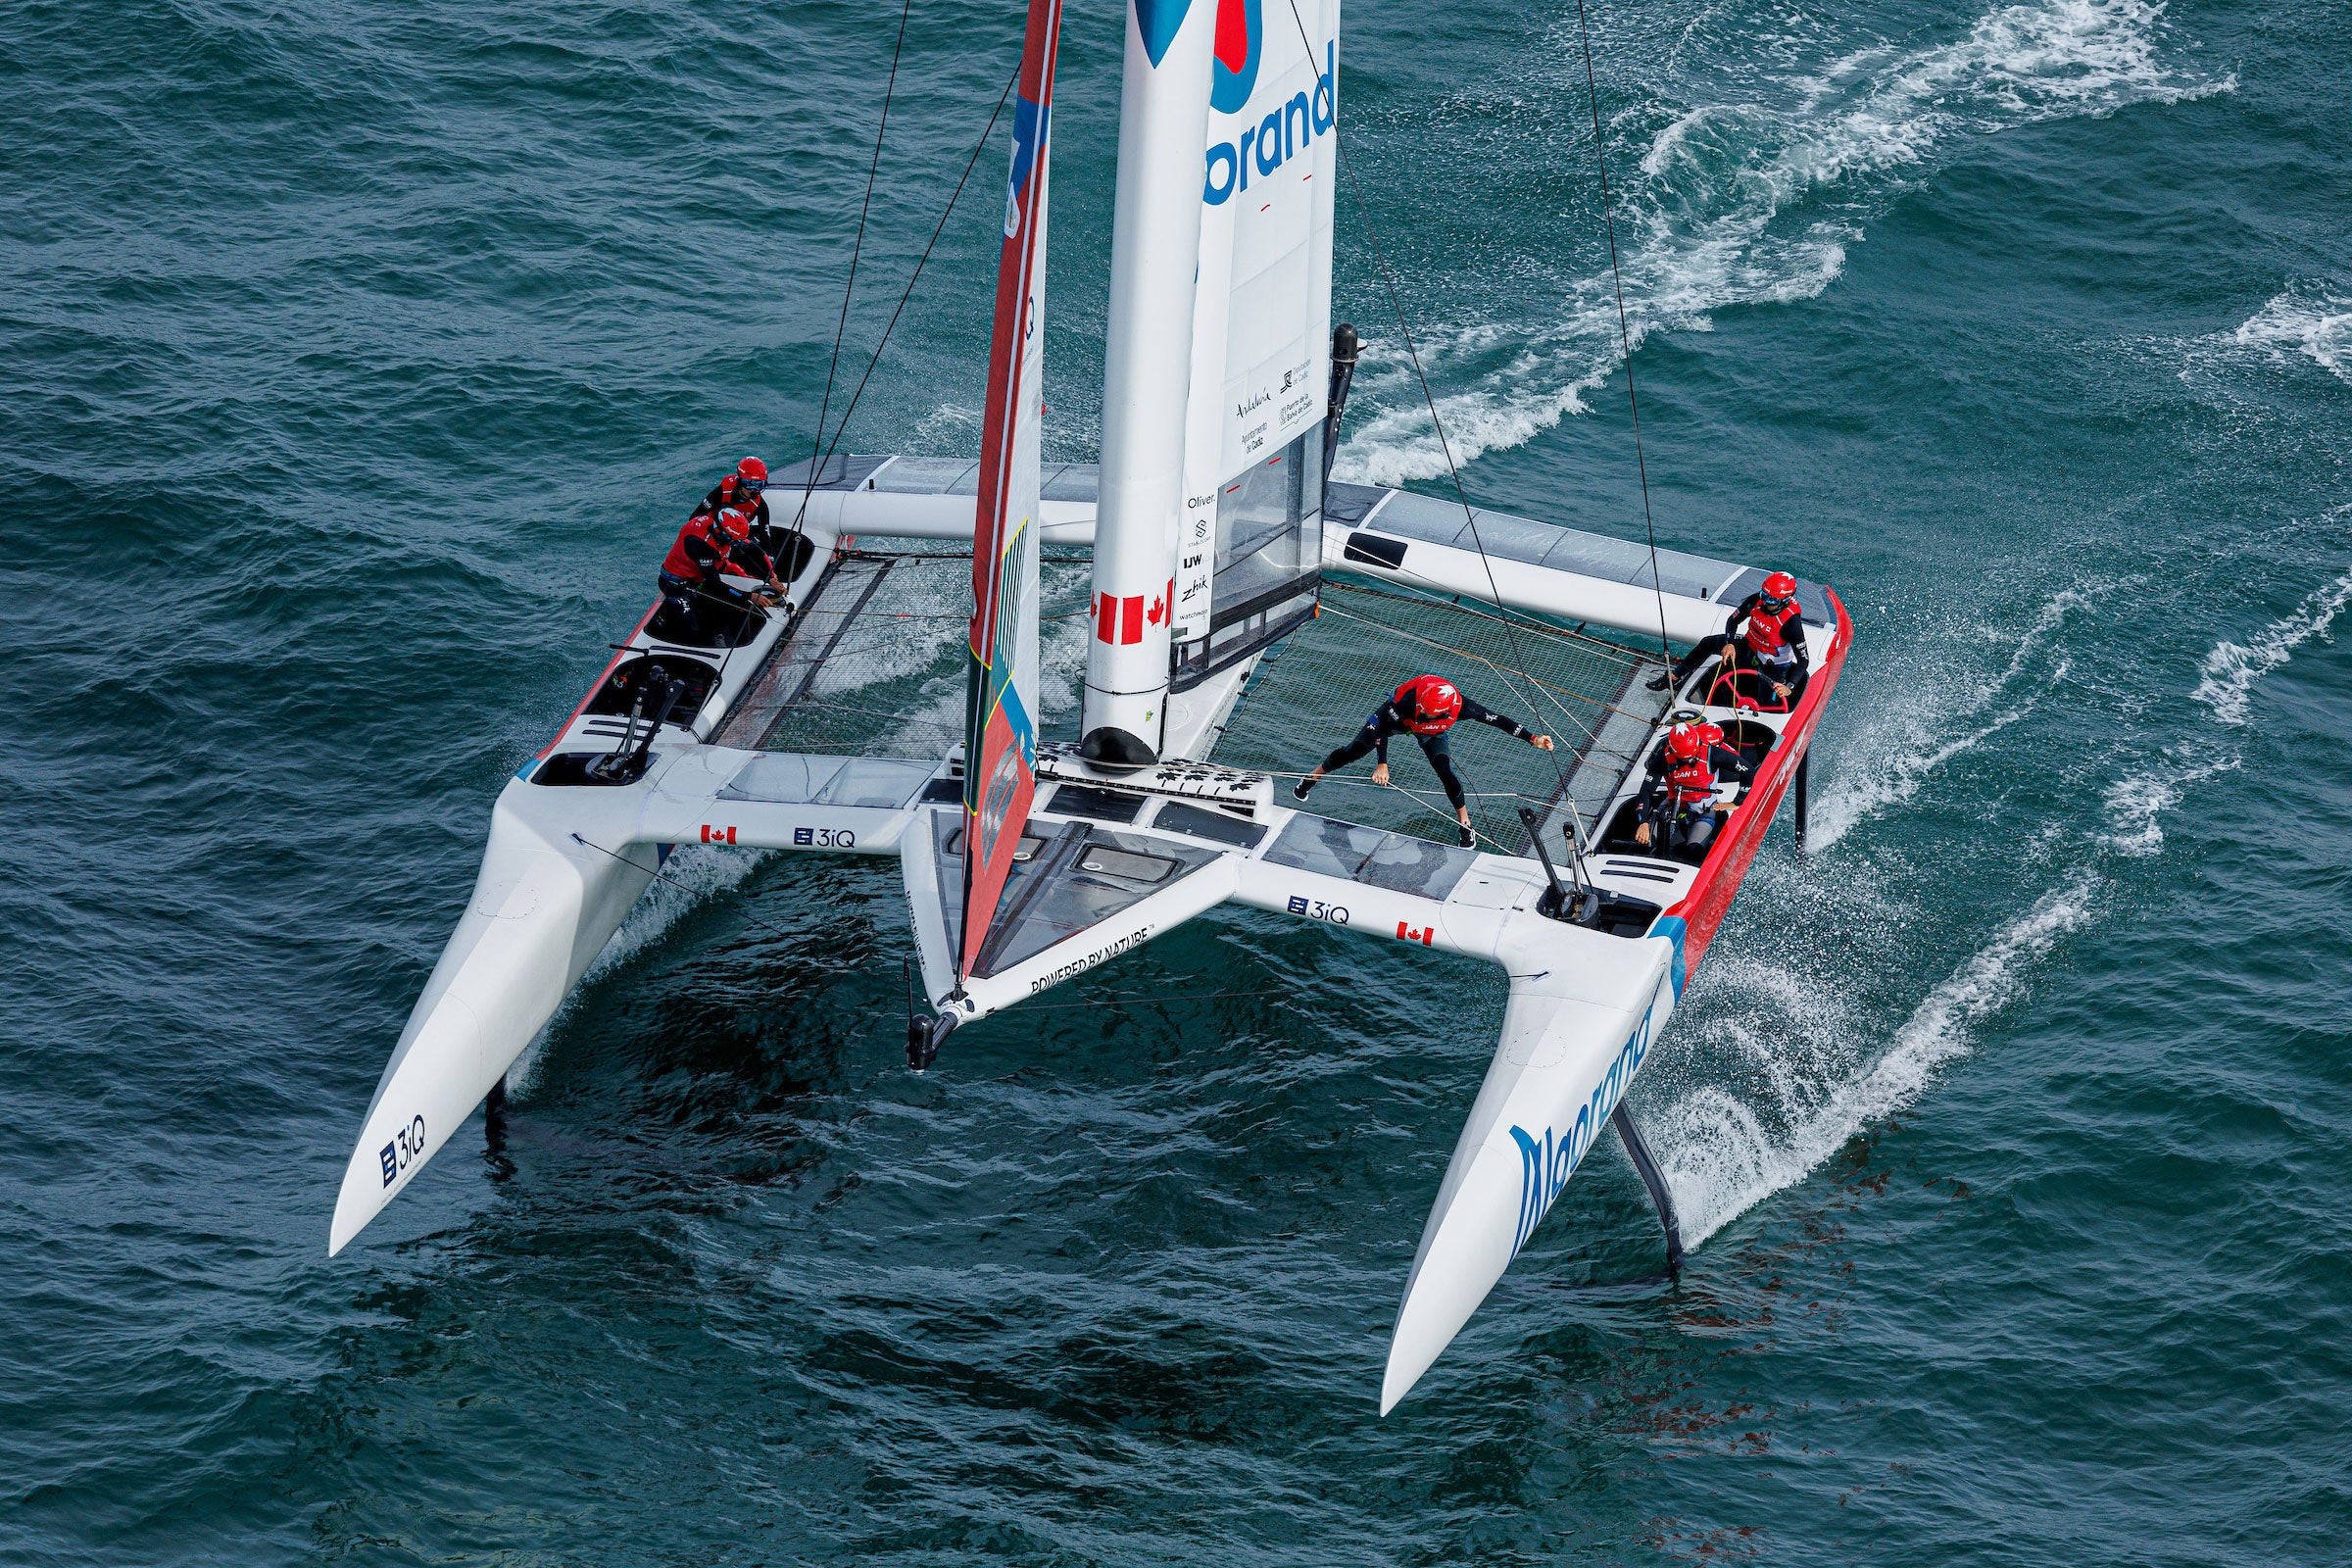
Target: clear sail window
[1269, 558]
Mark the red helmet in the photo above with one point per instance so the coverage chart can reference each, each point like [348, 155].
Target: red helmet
[735, 524]
[751, 474]
[1439, 698]
[1779, 589]
[1687, 743]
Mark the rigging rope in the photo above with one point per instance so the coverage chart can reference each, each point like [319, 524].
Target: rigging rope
[857, 249]
[1413, 353]
[907, 293]
[1625, 336]
[1504, 671]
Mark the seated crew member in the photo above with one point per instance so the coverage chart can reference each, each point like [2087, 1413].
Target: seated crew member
[691, 577]
[1677, 807]
[1424, 708]
[1773, 643]
[763, 555]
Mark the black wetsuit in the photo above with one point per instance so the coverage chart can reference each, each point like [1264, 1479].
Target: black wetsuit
[1709, 646]
[1389, 722]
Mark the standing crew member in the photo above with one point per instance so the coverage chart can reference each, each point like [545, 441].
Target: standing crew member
[763, 554]
[691, 577]
[1773, 643]
[1424, 708]
[1677, 808]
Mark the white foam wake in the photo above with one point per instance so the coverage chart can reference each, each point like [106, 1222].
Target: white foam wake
[1930, 725]
[2232, 669]
[2134, 805]
[2318, 329]
[1722, 1156]
[1755, 202]
[692, 874]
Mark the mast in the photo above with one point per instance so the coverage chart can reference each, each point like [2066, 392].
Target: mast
[999, 774]
[1148, 353]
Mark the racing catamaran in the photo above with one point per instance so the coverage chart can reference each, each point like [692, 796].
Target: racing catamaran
[1222, 563]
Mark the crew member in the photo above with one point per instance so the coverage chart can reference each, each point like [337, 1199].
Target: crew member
[1424, 708]
[1677, 807]
[1771, 643]
[764, 555]
[691, 576]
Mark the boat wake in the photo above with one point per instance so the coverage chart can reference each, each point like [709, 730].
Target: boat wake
[2316, 326]
[2135, 805]
[1930, 725]
[1754, 199]
[688, 877]
[1818, 1075]
[2232, 669]
[1822, 1083]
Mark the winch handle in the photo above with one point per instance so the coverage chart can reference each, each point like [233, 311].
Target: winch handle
[1555, 901]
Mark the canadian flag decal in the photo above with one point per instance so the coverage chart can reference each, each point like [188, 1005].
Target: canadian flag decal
[1120, 618]
[1159, 606]
[726, 835]
[1405, 933]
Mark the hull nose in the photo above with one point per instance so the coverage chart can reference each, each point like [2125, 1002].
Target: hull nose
[1568, 1051]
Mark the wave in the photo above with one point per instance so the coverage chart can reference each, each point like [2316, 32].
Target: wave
[2318, 329]
[2134, 806]
[692, 874]
[2232, 669]
[1722, 1155]
[1905, 748]
[1757, 202]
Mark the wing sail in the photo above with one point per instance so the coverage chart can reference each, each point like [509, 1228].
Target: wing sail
[1253, 465]
[1000, 776]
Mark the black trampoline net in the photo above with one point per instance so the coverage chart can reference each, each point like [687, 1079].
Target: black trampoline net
[875, 668]
[875, 664]
[1586, 689]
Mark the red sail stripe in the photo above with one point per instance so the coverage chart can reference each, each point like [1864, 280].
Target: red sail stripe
[998, 784]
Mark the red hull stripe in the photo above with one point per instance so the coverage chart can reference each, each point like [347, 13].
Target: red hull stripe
[1719, 875]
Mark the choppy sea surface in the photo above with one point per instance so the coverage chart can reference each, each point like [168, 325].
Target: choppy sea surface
[355, 365]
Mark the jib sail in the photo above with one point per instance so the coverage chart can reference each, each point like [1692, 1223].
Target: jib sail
[999, 777]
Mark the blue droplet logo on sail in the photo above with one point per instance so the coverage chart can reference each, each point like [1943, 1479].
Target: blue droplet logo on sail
[1158, 21]
[1235, 73]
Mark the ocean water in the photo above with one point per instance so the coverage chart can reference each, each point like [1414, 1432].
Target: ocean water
[355, 365]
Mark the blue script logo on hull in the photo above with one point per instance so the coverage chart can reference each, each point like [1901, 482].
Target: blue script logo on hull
[1288, 131]
[1546, 1165]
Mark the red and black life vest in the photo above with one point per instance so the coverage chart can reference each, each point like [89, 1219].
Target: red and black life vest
[1425, 695]
[678, 563]
[1689, 783]
[1767, 635]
